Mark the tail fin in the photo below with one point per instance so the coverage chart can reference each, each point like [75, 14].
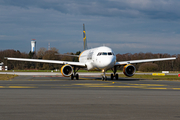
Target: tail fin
[84, 38]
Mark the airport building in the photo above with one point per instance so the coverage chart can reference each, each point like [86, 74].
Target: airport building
[2, 67]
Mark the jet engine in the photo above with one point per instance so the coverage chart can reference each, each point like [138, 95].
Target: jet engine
[66, 70]
[129, 70]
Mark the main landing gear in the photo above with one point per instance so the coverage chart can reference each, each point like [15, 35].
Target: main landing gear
[75, 75]
[114, 75]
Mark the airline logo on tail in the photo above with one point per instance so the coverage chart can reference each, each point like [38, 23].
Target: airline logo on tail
[84, 38]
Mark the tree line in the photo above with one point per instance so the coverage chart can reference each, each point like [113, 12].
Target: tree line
[172, 65]
[42, 53]
[53, 54]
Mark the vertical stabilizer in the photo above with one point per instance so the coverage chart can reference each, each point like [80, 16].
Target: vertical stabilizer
[84, 38]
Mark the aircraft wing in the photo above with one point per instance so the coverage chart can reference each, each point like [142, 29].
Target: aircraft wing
[48, 61]
[142, 61]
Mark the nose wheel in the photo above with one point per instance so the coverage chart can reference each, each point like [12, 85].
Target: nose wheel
[104, 78]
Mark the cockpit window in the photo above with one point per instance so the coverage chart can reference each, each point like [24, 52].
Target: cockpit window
[109, 53]
[98, 54]
[105, 53]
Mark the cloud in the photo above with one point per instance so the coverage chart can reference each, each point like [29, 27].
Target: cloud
[124, 25]
[154, 9]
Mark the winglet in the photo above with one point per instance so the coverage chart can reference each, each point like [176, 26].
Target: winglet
[84, 38]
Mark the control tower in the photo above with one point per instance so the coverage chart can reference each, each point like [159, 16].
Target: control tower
[33, 46]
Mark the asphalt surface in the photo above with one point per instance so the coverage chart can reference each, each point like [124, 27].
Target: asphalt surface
[80, 73]
[59, 98]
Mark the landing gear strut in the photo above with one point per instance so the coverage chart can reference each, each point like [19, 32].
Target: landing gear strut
[114, 75]
[74, 74]
[104, 75]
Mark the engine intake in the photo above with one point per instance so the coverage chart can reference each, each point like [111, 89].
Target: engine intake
[66, 70]
[129, 70]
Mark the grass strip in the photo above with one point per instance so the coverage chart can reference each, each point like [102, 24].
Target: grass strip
[6, 76]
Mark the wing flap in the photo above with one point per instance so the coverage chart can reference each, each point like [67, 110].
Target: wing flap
[142, 61]
[48, 61]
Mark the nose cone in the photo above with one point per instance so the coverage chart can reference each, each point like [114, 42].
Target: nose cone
[106, 63]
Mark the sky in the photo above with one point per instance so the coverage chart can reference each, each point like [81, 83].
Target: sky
[126, 26]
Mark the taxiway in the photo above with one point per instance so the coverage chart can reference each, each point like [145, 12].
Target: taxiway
[55, 97]
[80, 73]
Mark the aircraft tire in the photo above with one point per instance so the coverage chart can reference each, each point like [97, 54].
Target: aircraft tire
[112, 76]
[103, 78]
[77, 76]
[72, 77]
[116, 76]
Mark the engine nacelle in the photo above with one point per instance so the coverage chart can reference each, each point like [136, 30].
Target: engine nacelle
[66, 70]
[129, 70]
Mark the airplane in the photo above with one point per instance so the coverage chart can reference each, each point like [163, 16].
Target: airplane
[100, 58]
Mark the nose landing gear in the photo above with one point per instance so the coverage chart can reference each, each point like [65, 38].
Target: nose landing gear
[104, 75]
[114, 75]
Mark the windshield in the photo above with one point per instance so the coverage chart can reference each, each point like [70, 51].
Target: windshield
[105, 53]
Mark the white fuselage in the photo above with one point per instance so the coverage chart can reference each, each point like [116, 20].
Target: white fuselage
[100, 58]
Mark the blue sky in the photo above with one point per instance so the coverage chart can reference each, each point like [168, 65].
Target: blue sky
[127, 26]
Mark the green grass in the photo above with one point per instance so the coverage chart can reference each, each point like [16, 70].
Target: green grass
[6, 76]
